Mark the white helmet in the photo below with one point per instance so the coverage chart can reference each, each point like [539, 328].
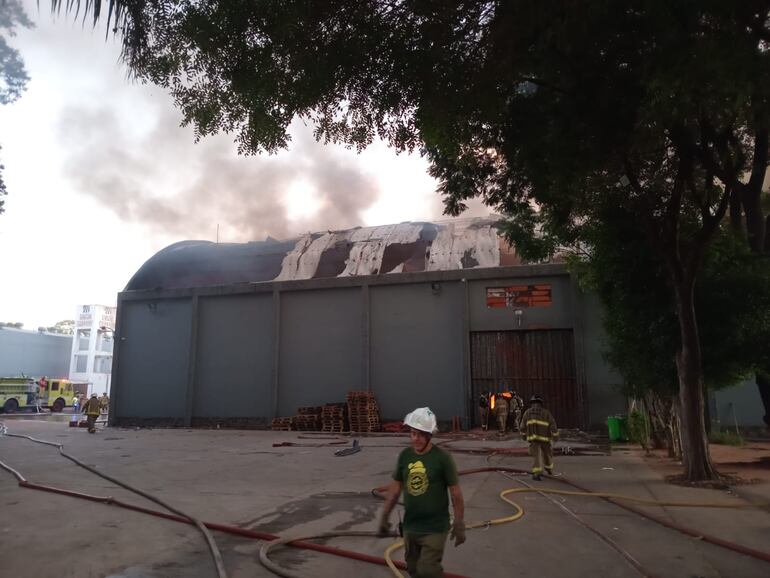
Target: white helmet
[422, 419]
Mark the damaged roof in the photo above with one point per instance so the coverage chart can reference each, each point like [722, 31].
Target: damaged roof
[472, 243]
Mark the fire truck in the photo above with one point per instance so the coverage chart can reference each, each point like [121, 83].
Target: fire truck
[24, 392]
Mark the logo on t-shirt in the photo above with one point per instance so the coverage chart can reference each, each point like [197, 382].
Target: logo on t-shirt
[417, 480]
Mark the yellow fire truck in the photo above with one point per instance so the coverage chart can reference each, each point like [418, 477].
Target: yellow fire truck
[24, 392]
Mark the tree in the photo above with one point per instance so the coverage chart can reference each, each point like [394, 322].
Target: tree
[13, 75]
[732, 298]
[11, 324]
[65, 327]
[544, 110]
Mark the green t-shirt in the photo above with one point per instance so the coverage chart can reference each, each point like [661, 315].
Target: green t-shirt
[425, 479]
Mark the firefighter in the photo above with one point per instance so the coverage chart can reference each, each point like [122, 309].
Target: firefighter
[515, 409]
[91, 409]
[538, 427]
[484, 401]
[104, 403]
[502, 401]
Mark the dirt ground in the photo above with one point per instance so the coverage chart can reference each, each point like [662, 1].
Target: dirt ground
[750, 462]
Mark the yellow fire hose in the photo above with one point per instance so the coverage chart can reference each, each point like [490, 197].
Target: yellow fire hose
[520, 512]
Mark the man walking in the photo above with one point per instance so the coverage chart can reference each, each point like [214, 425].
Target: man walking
[538, 427]
[424, 473]
[91, 409]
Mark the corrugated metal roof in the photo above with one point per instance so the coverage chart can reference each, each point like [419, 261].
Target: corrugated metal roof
[402, 248]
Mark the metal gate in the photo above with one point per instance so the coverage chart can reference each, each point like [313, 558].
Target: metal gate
[528, 362]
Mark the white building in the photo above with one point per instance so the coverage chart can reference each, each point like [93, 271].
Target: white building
[91, 360]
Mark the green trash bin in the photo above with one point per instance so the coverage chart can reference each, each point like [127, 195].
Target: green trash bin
[613, 426]
[618, 428]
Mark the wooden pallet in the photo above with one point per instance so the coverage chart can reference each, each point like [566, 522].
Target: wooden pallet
[282, 424]
[363, 411]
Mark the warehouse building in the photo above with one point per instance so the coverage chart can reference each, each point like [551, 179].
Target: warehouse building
[417, 313]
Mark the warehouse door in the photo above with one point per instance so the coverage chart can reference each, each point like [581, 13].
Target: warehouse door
[528, 362]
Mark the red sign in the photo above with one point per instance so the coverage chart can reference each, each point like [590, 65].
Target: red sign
[518, 296]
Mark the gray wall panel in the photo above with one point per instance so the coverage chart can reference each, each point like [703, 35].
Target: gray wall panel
[34, 354]
[417, 349]
[602, 381]
[154, 351]
[234, 357]
[321, 347]
[556, 316]
[744, 400]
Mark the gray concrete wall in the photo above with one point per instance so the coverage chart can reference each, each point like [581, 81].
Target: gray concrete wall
[234, 357]
[556, 316]
[321, 356]
[34, 354]
[153, 361]
[417, 349]
[604, 398]
[745, 399]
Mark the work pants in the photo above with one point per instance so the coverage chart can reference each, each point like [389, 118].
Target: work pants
[542, 453]
[91, 421]
[484, 417]
[423, 554]
[501, 413]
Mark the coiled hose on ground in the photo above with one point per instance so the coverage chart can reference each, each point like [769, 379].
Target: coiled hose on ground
[216, 555]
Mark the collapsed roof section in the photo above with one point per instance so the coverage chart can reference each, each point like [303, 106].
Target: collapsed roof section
[403, 248]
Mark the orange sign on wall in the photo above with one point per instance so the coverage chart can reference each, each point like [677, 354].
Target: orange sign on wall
[516, 296]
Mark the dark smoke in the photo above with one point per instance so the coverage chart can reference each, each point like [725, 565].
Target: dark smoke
[210, 184]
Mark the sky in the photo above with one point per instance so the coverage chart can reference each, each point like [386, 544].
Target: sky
[101, 176]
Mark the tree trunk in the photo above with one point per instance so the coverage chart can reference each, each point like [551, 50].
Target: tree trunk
[736, 212]
[695, 450]
[755, 220]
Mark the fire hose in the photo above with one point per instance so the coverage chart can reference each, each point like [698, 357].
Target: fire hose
[275, 541]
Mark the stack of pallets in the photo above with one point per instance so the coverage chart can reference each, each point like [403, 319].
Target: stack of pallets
[363, 411]
[333, 418]
[308, 418]
[282, 424]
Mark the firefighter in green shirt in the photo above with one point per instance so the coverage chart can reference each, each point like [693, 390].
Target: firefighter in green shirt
[538, 427]
[424, 473]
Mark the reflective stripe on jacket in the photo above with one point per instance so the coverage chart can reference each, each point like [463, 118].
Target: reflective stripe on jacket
[538, 425]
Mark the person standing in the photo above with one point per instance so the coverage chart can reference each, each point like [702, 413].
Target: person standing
[484, 409]
[104, 403]
[538, 427]
[502, 402]
[91, 409]
[515, 409]
[424, 475]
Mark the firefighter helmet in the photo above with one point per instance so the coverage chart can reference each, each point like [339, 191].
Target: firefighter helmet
[536, 399]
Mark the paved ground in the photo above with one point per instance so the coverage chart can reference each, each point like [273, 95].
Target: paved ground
[238, 477]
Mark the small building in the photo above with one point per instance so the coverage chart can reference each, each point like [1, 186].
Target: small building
[418, 313]
[92, 346]
[33, 353]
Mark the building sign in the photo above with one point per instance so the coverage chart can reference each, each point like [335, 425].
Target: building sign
[108, 318]
[85, 317]
[518, 296]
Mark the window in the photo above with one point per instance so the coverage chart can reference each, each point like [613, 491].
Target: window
[83, 339]
[81, 363]
[106, 344]
[103, 365]
[54, 386]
